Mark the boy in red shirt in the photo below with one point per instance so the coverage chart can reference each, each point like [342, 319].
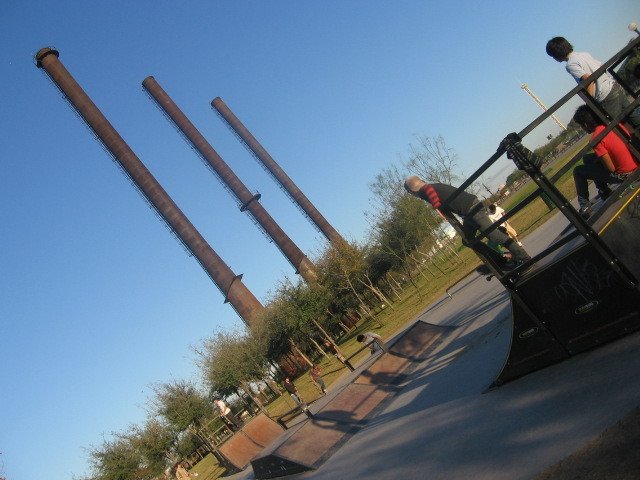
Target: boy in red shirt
[610, 164]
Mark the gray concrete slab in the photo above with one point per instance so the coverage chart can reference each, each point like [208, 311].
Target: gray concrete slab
[513, 432]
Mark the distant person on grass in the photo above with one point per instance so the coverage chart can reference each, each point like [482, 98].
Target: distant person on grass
[295, 394]
[316, 376]
[605, 90]
[610, 163]
[335, 351]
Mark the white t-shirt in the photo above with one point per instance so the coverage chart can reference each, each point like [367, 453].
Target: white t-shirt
[372, 337]
[580, 64]
[494, 217]
[224, 410]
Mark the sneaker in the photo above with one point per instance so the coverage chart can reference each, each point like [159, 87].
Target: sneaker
[586, 211]
[512, 265]
[604, 194]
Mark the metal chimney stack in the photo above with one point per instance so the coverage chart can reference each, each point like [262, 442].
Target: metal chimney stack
[231, 286]
[248, 201]
[278, 174]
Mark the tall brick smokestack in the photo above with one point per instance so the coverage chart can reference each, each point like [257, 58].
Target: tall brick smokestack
[231, 286]
[248, 201]
[276, 171]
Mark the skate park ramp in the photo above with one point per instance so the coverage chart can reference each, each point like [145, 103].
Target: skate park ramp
[573, 300]
[442, 420]
[308, 446]
[249, 441]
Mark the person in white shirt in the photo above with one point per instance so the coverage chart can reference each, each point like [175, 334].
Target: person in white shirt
[225, 413]
[373, 341]
[605, 90]
[495, 214]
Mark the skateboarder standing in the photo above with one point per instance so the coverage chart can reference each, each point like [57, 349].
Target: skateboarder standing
[293, 391]
[225, 412]
[316, 376]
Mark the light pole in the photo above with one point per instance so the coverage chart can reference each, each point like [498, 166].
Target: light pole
[526, 88]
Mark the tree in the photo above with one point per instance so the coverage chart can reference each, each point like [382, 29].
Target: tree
[410, 224]
[155, 443]
[386, 188]
[341, 265]
[181, 404]
[300, 304]
[230, 359]
[116, 459]
[187, 443]
[141, 453]
[432, 160]
[515, 176]
[275, 330]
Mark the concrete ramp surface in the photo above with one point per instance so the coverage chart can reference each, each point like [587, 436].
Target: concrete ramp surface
[312, 443]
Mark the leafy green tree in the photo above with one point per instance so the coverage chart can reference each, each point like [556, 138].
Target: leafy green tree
[515, 176]
[218, 359]
[181, 404]
[300, 304]
[187, 443]
[230, 359]
[411, 223]
[275, 330]
[155, 443]
[117, 459]
[339, 268]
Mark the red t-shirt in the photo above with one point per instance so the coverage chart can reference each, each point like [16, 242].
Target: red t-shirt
[621, 157]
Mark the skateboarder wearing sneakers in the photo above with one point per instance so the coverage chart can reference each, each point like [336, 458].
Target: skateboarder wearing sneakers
[474, 215]
[611, 163]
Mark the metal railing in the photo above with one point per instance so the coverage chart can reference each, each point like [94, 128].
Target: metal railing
[546, 185]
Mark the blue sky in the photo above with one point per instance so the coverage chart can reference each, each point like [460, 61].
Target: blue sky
[97, 300]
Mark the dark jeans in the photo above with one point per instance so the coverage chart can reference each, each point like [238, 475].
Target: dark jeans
[594, 170]
[480, 221]
[233, 420]
[616, 101]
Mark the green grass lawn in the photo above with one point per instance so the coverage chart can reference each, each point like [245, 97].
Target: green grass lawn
[208, 468]
[537, 212]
